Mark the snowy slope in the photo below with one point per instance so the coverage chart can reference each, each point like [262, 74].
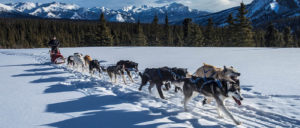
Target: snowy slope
[35, 93]
[259, 11]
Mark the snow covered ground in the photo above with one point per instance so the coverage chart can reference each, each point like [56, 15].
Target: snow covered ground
[36, 93]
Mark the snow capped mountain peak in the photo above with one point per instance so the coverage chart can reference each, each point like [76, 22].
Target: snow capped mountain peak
[127, 14]
[178, 7]
[259, 11]
[274, 6]
[4, 7]
[128, 8]
[23, 6]
[56, 6]
[118, 18]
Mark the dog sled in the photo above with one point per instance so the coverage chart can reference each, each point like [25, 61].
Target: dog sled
[57, 58]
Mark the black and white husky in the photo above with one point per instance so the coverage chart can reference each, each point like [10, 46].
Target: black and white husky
[114, 71]
[209, 87]
[120, 68]
[158, 77]
[71, 61]
[127, 66]
[94, 65]
[180, 74]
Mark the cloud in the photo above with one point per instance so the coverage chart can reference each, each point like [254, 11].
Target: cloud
[207, 5]
[215, 5]
[165, 1]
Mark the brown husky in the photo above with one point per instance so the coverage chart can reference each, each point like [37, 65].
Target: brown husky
[87, 60]
[225, 73]
[207, 71]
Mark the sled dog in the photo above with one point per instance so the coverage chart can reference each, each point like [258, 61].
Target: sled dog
[94, 65]
[127, 66]
[217, 73]
[218, 90]
[180, 73]
[70, 61]
[114, 71]
[207, 70]
[158, 77]
[87, 60]
[78, 60]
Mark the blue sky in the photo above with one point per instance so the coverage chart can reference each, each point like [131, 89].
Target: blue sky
[208, 5]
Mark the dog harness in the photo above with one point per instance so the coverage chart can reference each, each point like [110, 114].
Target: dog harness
[207, 72]
[217, 81]
[206, 82]
[174, 74]
[131, 69]
[159, 73]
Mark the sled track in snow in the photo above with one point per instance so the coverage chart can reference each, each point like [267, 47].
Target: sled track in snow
[248, 115]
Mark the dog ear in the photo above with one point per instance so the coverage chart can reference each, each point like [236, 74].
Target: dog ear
[225, 69]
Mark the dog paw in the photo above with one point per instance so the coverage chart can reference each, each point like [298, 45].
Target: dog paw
[238, 123]
[220, 117]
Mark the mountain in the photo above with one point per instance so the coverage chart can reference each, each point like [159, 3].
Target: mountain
[176, 12]
[9, 12]
[259, 11]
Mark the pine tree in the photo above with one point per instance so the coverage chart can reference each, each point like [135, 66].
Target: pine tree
[230, 21]
[197, 36]
[168, 37]
[287, 37]
[155, 32]
[272, 36]
[230, 34]
[259, 38]
[187, 31]
[297, 37]
[243, 29]
[116, 39]
[178, 38]
[104, 37]
[139, 38]
[210, 35]
[11, 38]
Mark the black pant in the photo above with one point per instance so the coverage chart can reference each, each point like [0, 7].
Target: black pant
[54, 49]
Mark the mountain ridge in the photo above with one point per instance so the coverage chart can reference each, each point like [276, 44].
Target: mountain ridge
[259, 11]
[145, 14]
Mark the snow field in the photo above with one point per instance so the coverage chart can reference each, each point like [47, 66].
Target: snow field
[99, 103]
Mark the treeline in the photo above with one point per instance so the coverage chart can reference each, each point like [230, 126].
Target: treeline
[237, 32]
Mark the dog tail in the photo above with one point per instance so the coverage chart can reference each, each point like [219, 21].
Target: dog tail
[141, 75]
[103, 68]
